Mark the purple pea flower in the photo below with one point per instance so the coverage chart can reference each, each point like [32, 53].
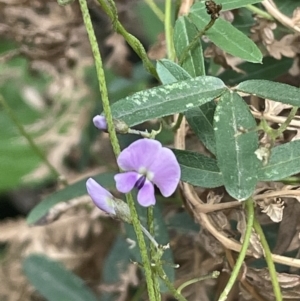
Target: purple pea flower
[102, 198]
[105, 201]
[146, 162]
[120, 126]
[100, 122]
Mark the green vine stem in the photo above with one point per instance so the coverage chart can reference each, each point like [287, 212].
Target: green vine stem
[150, 221]
[286, 123]
[291, 180]
[160, 15]
[130, 39]
[270, 263]
[177, 124]
[249, 205]
[214, 274]
[195, 40]
[274, 133]
[115, 144]
[30, 140]
[259, 12]
[169, 30]
[153, 249]
[168, 284]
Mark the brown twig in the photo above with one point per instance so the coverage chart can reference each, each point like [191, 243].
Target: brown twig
[250, 289]
[279, 16]
[204, 219]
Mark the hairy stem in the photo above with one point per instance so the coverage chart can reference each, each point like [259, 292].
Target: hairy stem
[130, 39]
[169, 285]
[115, 143]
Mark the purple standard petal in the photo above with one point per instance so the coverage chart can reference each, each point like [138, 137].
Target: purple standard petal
[139, 155]
[125, 181]
[166, 172]
[146, 195]
[102, 198]
[100, 122]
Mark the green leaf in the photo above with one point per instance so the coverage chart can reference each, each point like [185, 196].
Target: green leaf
[184, 33]
[198, 170]
[235, 150]
[201, 121]
[13, 145]
[275, 91]
[284, 162]
[170, 72]
[54, 282]
[226, 36]
[226, 4]
[115, 265]
[72, 191]
[167, 100]
[270, 70]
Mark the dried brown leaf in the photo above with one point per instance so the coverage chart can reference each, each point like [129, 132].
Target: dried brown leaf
[284, 47]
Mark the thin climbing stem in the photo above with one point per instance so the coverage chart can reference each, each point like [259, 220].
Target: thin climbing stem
[115, 144]
[169, 285]
[153, 249]
[169, 30]
[195, 40]
[159, 14]
[259, 12]
[270, 263]
[286, 123]
[249, 205]
[177, 124]
[130, 39]
[214, 274]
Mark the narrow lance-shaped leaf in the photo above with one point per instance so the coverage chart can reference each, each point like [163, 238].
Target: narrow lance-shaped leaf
[275, 91]
[55, 282]
[201, 121]
[198, 170]
[236, 150]
[284, 162]
[170, 72]
[167, 100]
[184, 33]
[226, 36]
[199, 118]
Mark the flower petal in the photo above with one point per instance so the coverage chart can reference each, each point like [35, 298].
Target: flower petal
[146, 195]
[100, 122]
[139, 155]
[102, 198]
[166, 172]
[125, 181]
